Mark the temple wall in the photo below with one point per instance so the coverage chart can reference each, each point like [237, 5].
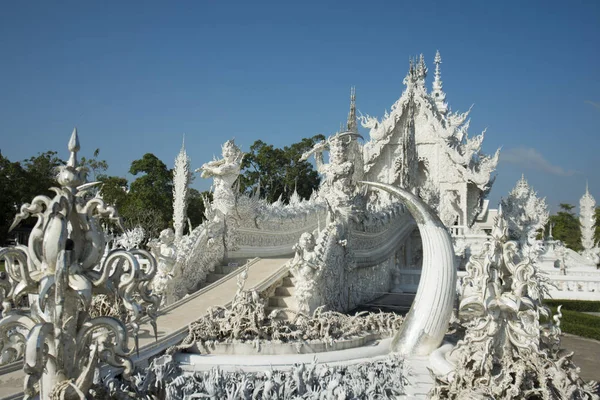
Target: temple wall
[368, 283]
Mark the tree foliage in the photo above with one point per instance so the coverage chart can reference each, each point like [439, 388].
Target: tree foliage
[95, 167]
[20, 182]
[146, 202]
[566, 227]
[279, 171]
[195, 210]
[41, 173]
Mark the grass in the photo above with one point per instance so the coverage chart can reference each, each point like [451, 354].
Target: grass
[574, 320]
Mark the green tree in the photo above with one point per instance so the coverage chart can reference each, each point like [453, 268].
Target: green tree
[195, 210]
[13, 181]
[114, 190]
[41, 174]
[20, 182]
[566, 227]
[149, 201]
[94, 166]
[279, 171]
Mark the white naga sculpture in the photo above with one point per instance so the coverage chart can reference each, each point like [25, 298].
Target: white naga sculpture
[587, 220]
[61, 270]
[224, 172]
[506, 352]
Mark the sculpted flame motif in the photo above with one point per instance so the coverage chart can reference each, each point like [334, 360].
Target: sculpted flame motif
[60, 270]
[506, 353]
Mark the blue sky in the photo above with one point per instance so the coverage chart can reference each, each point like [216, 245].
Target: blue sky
[136, 77]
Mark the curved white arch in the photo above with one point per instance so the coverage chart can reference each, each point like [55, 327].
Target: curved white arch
[429, 316]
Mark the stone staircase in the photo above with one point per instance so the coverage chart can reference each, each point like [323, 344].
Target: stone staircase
[223, 270]
[284, 299]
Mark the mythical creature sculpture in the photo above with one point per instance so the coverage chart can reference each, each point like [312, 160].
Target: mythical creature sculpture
[224, 172]
[305, 258]
[526, 215]
[338, 186]
[449, 208]
[305, 268]
[165, 253]
[506, 353]
[60, 269]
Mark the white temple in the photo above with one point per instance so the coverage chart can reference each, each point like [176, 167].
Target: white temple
[254, 299]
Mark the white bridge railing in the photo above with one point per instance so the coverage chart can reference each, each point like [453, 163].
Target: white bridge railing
[567, 287]
[575, 287]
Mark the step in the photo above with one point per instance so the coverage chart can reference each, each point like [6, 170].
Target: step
[285, 291]
[213, 277]
[288, 281]
[283, 301]
[285, 313]
[227, 269]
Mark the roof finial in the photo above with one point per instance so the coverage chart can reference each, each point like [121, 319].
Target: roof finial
[351, 124]
[71, 175]
[73, 147]
[409, 80]
[587, 187]
[421, 70]
[438, 94]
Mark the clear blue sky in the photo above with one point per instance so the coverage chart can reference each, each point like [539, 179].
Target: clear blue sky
[135, 77]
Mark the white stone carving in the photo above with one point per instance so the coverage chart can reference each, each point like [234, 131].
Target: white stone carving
[197, 255]
[130, 238]
[386, 378]
[338, 187]
[246, 321]
[224, 173]
[506, 353]
[305, 268]
[422, 146]
[165, 253]
[526, 215]
[587, 219]
[182, 176]
[60, 270]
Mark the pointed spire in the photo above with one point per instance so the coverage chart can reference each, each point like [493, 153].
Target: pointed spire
[587, 187]
[410, 78]
[351, 124]
[73, 147]
[587, 221]
[438, 94]
[71, 175]
[421, 70]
